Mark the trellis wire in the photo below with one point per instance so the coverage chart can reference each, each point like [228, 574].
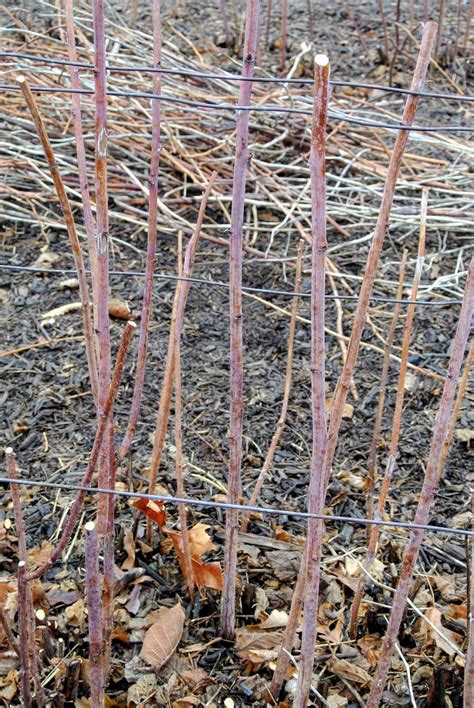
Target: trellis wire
[197, 106]
[222, 284]
[232, 77]
[273, 511]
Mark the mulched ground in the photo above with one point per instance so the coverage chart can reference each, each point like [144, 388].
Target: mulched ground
[47, 416]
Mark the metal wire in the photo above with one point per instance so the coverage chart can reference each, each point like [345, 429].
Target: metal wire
[188, 105]
[233, 77]
[240, 507]
[222, 284]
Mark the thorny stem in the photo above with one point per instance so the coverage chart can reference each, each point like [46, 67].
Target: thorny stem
[25, 595]
[24, 634]
[397, 419]
[71, 229]
[107, 463]
[152, 236]
[99, 436]
[340, 394]
[372, 460]
[19, 521]
[428, 490]
[236, 344]
[286, 391]
[93, 593]
[316, 488]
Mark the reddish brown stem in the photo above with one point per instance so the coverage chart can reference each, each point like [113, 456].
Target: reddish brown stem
[457, 407]
[360, 317]
[397, 419]
[93, 593]
[91, 466]
[89, 221]
[284, 20]
[339, 398]
[71, 229]
[24, 635]
[236, 346]
[428, 490]
[151, 245]
[316, 488]
[372, 461]
[286, 391]
[177, 318]
[106, 465]
[19, 521]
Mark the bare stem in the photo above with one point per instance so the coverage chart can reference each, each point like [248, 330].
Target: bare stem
[89, 221]
[106, 464]
[236, 346]
[19, 521]
[340, 394]
[428, 490]
[96, 658]
[24, 634]
[151, 244]
[177, 318]
[372, 461]
[286, 391]
[316, 489]
[397, 418]
[284, 20]
[91, 466]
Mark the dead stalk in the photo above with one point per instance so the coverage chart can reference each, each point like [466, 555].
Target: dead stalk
[372, 461]
[397, 419]
[340, 394]
[151, 244]
[71, 229]
[286, 391]
[235, 295]
[428, 490]
[469, 661]
[316, 488]
[93, 459]
[93, 594]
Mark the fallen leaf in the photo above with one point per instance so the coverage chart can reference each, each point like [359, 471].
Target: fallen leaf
[434, 616]
[349, 671]
[76, 613]
[208, 575]
[257, 647]
[205, 574]
[276, 620]
[39, 555]
[142, 690]
[186, 701]
[119, 309]
[129, 546]
[163, 637]
[154, 510]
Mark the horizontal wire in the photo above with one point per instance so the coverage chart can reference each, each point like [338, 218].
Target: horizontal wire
[240, 507]
[222, 284]
[193, 105]
[233, 77]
